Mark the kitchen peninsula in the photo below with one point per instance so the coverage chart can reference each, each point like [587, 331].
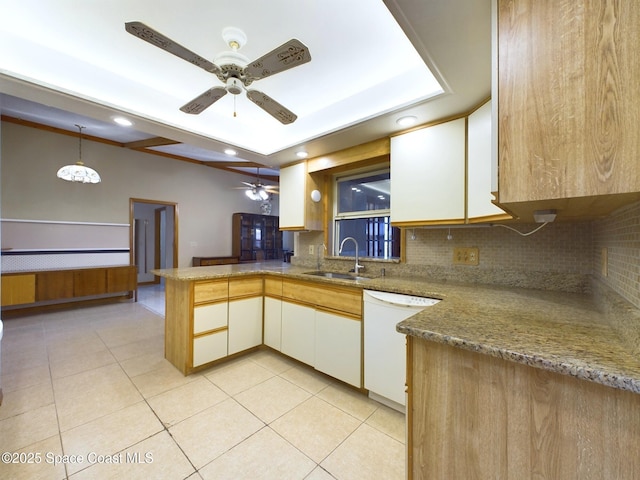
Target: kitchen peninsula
[502, 381]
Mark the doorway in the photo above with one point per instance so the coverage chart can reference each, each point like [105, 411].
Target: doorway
[153, 237]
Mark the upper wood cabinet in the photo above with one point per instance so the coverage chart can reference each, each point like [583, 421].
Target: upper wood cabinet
[297, 210]
[480, 206]
[568, 105]
[428, 175]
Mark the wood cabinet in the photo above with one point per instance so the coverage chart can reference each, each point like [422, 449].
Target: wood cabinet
[210, 332]
[245, 313]
[18, 289]
[298, 332]
[67, 285]
[480, 206]
[338, 341]
[322, 327]
[54, 285]
[428, 175]
[476, 416]
[319, 324]
[89, 282]
[120, 279]
[207, 261]
[209, 314]
[297, 210]
[441, 174]
[568, 106]
[207, 320]
[272, 312]
[256, 237]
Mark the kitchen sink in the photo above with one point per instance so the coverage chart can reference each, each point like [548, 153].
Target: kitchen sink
[336, 275]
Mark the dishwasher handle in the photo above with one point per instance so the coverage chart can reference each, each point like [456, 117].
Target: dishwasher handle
[398, 299]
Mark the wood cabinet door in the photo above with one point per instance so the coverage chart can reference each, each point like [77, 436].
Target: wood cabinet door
[568, 99]
[480, 205]
[428, 175]
[298, 332]
[54, 285]
[121, 279]
[245, 324]
[89, 282]
[273, 322]
[18, 289]
[339, 347]
[292, 196]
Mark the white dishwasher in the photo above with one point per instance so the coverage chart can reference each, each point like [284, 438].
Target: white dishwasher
[384, 347]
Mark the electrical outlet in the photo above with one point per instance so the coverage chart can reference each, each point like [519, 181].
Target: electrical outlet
[466, 256]
[310, 249]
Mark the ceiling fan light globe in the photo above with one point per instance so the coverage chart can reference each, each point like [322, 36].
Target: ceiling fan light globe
[234, 86]
[262, 193]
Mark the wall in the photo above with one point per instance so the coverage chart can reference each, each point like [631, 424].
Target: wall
[205, 196]
[619, 233]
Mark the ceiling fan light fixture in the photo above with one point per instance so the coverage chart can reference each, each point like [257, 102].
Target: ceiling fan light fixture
[234, 86]
[79, 173]
[257, 194]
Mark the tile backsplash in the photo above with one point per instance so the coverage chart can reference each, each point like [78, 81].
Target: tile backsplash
[619, 234]
[561, 256]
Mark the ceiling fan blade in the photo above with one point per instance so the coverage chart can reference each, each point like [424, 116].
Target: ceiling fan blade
[204, 101]
[286, 56]
[272, 107]
[251, 185]
[148, 34]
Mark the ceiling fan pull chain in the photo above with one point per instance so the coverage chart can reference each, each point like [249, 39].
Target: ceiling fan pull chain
[234, 106]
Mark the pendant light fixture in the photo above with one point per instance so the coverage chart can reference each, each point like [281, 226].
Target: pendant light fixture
[78, 172]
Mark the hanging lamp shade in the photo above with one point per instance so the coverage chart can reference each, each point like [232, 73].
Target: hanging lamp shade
[78, 172]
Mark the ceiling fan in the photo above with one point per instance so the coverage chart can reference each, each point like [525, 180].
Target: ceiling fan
[233, 68]
[258, 191]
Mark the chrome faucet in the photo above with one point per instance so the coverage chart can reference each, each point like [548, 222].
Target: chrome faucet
[357, 267]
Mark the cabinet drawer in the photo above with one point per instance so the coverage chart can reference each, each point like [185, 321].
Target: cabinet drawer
[273, 287]
[210, 291]
[245, 287]
[331, 297]
[209, 317]
[208, 348]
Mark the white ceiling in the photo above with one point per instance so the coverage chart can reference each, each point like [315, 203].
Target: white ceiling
[74, 63]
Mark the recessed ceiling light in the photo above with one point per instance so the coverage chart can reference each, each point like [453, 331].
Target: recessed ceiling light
[302, 154]
[230, 151]
[407, 121]
[123, 121]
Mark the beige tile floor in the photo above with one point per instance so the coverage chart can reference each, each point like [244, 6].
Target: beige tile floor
[88, 394]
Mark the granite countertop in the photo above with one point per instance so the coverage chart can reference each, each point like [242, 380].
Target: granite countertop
[591, 337]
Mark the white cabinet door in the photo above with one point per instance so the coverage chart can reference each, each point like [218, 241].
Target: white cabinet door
[479, 166]
[292, 196]
[272, 322]
[338, 347]
[428, 175]
[245, 324]
[298, 332]
[208, 348]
